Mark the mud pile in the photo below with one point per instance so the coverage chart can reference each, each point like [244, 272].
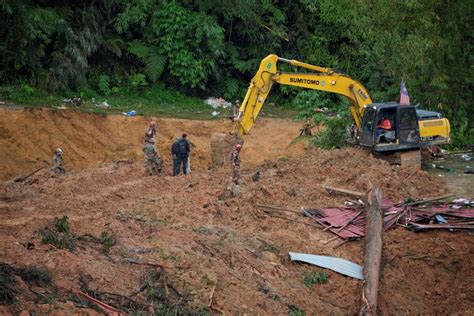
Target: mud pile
[225, 253]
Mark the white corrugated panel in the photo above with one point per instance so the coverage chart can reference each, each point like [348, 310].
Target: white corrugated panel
[339, 265]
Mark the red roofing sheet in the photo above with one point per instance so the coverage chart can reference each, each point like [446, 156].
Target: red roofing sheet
[335, 218]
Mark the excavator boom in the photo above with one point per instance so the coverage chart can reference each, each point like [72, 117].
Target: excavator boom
[318, 78]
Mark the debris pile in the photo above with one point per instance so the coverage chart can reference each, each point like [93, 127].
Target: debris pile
[218, 102]
[348, 222]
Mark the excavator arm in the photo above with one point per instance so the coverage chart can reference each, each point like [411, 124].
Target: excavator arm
[318, 78]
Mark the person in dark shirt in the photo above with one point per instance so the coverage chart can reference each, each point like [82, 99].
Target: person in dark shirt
[181, 149]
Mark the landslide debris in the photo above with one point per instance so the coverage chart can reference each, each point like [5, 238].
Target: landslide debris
[223, 254]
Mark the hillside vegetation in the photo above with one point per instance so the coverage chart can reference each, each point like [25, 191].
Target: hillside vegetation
[111, 48]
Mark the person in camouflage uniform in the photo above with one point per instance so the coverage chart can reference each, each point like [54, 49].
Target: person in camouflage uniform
[153, 162]
[174, 154]
[235, 160]
[58, 164]
[150, 134]
[306, 130]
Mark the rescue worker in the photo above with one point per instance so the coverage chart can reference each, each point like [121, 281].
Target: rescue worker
[58, 164]
[235, 160]
[382, 127]
[352, 132]
[150, 134]
[174, 154]
[183, 155]
[306, 130]
[153, 162]
[236, 109]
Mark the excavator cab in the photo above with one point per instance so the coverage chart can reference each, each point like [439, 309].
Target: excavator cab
[402, 131]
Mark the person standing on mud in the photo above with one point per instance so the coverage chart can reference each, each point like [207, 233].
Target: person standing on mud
[58, 163]
[235, 160]
[182, 153]
[236, 109]
[153, 162]
[150, 134]
[174, 155]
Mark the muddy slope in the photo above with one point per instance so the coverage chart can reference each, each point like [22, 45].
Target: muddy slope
[227, 246]
[28, 138]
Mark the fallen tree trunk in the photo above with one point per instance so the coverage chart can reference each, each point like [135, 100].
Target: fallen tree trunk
[330, 189]
[373, 253]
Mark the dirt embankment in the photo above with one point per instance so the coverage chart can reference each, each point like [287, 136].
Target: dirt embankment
[28, 138]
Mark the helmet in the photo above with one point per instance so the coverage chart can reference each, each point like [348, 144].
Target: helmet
[152, 123]
[238, 146]
[58, 151]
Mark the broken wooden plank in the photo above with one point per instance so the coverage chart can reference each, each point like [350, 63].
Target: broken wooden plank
[428, 200]
[292, 220]
[357, 194]
[23, 178]
[279, 208]
[109, 310]
[373, 253]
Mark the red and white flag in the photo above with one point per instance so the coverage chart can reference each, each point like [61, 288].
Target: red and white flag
[404, 98]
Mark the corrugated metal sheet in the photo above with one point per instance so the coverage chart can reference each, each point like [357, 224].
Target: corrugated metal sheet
[339, 265]
[336, 220]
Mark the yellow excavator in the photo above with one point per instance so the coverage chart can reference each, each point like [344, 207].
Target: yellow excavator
[410, 128]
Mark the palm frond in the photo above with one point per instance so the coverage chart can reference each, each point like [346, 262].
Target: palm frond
[139, 49]
[155, 64]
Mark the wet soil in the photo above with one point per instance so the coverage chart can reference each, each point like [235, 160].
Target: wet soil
[224, 248]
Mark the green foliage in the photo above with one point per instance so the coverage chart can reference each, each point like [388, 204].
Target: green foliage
[62, 224]
[139, 49]
[59, 234]
[27, 95]
[137, 80]
[191, 41]
[317, 277]
[32, 275]
[155, 65]
[334, 134]
[307, 101]
[36, 275]
[156, 293]
[462, 132]
[213, 48]
[104, 84]
[108, 240]
[8, 285]
[59, 240]
[331, 113]
[294, 310]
